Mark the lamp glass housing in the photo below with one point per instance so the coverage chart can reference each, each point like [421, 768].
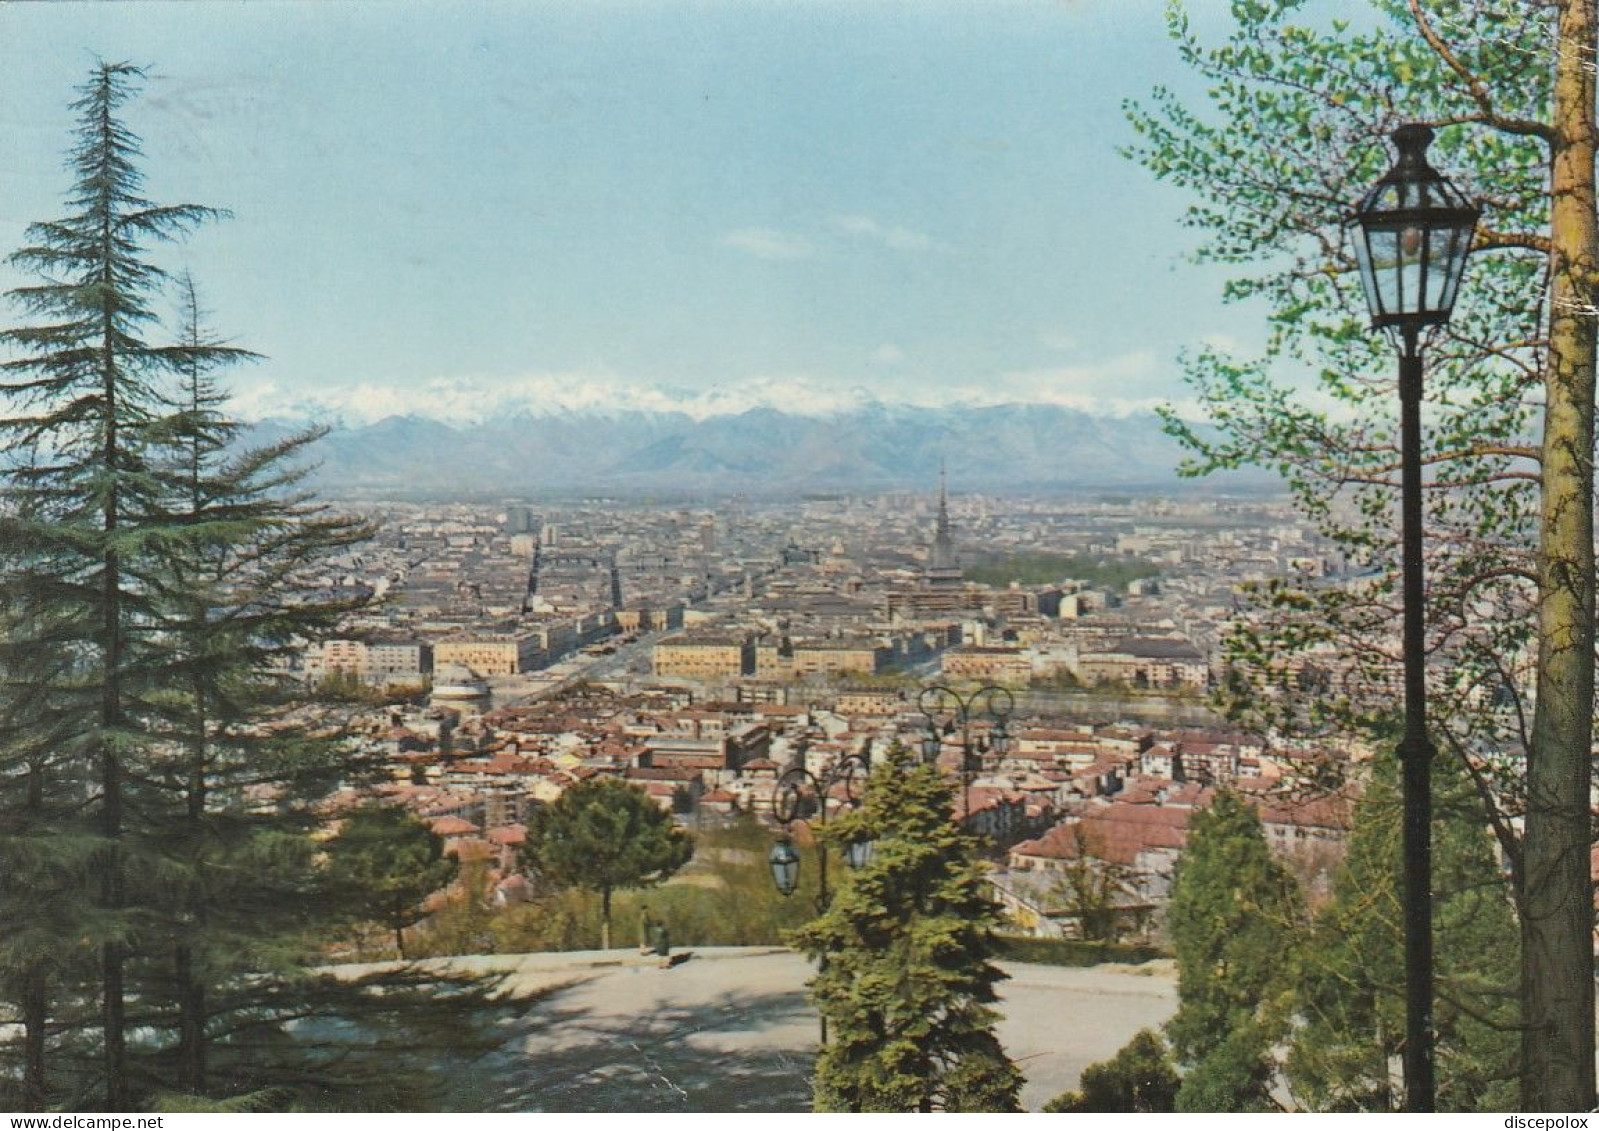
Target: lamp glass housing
[1412, 233]
[858, 853]
[784, 861]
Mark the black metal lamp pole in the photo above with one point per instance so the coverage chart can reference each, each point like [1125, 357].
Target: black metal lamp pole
[947, 711]
[1413, 233]
[802, 796]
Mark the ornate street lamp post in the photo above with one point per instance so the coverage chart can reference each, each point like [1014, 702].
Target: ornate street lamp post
[1412, 233]
[949, 717]
[804, 797]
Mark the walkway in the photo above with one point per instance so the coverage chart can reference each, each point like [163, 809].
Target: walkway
[730, 1029]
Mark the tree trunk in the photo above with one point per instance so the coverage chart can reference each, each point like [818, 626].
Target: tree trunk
[1557, 901]
[605, 918]
[191, 989]
[35, 1017]
[191, 1023]
[112, 957]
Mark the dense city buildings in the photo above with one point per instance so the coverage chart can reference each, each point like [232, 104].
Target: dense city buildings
[700, 652]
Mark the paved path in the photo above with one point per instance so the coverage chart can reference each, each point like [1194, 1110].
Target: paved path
[730, 1029]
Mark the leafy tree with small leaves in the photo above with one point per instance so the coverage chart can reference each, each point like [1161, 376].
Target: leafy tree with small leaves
[1092, 887]
[1291, 131]
[907, 986]
[601, 835]
[385, 861]
[1234, 915]
[1139, 1078]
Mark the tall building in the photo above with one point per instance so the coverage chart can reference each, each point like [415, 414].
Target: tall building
[943, 564]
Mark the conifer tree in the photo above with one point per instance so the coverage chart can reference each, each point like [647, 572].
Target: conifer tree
[86, 511]
[239, 776]
[1234, 914]
[1350, 993]
[1139, 1078]
[157, 790]
[46, 852]
[907, 985]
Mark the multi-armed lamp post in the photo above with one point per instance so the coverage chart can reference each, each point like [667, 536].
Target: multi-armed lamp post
[804, 797]
[950, 716]
[1412, 235]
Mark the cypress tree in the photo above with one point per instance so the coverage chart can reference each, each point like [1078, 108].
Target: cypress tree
[907, 977]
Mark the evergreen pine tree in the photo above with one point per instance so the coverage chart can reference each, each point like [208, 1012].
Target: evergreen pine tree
[1139, 1078]
[386, 861]
[1350, 993]
[240, 777]
[601, 835]
[1234, 913]
[157, 792]
[46, 852]
[85, 512]
[906, 979]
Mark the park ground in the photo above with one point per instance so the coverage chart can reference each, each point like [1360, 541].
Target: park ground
[731, 1029]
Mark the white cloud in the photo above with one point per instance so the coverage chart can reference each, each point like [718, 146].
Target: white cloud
[890, 236]
[1061, 343]
[769, 243]
[888, 354]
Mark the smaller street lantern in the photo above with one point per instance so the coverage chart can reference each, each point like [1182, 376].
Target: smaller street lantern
[1412, 235]
[858, 853]
[784, 861]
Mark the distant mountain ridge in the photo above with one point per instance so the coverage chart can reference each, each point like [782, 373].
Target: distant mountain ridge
[761, 452]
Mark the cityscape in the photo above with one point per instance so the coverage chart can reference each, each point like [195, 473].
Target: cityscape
[699, 653]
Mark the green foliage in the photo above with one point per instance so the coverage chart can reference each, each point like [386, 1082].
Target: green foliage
[385, 861]
[906, 977]
[723, 897]
[1291, 132]
[1040, 568]
[1090, 888]
[601, 835]
[86, 505]
[1294, 132]
[465, 923]
[1072, 952]
[1139, 1078]
[1234, 915]
[1350, 991]
[160, 786]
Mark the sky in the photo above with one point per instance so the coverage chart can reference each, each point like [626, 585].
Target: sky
[465, 209]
